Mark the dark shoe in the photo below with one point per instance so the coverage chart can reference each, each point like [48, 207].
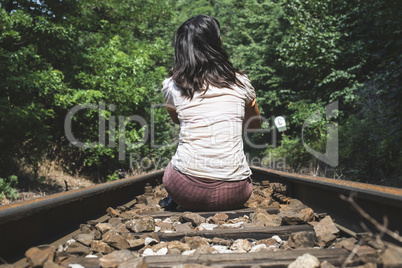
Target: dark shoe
[167, 203]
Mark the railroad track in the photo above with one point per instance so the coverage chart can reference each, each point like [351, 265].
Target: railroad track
[112, 229]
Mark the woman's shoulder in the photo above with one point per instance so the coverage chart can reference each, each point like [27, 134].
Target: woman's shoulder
[248, 89]
[243, 77]
[168, 85]
[168, 82]
[171, 93]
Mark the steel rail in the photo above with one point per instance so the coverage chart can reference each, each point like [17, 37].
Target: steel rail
[46, 219]
[323, 196]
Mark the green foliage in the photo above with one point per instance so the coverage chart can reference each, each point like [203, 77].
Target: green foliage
[372, 137]
[54, 57]
[300, 56]
[113, 177]
[29, 83]
[308, 118]
[292, 150]
[7, 188]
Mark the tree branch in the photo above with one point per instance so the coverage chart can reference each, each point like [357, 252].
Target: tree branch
[380, 227]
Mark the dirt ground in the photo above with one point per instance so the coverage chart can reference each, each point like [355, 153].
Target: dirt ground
[51, 180]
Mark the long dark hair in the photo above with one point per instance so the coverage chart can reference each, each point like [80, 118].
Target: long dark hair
[199, 59]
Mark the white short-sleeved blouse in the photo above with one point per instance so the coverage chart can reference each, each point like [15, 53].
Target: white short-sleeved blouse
[210, 139]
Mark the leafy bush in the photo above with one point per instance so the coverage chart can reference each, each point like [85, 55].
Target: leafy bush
[7, 189]
[114, 176]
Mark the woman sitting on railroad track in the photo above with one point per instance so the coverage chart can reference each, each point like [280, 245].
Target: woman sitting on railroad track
[212, 101]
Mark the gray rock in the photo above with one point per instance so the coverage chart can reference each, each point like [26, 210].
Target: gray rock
[136, 243]
[221, 241]
[80, 260]
[204, 249]
[195, 242]
[241, 245]
[151, 201]
[291, 217]
[206, 226]
[37, 256]
[77, 248]
[97, 234]
[185, 227]
[346, 243]
[237, 225]
[151, 235]
[122, 229]
[85, 239]
[295, 205]
[116, 258]
[60, 256]
[302, 240]
[194, 218]
[116, 222]
[268, 242]
[220, 218]
[275, 204]
[261, 218]
[259, 248]
[179, 245]
[285, 246]
[112, 212]
[86, 228]
[266, 192]
[305, 261]
[221, 249]
[159, 192]
[326, 232]
[296, 213]
[159, 246]
[128, 215]
[114, 239]
[326, 264]
[102, 247]
[142, 199]
[121, 208]
[262, 248]
[149, 241]
[174, 251]
[165, 226]
[130, 236]
[144, 224]
[104, 227]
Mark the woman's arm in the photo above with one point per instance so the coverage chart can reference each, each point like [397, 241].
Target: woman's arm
[173, 114]
[252, 117]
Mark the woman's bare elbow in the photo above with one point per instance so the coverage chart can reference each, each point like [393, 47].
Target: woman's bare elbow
[252, 123]
[252, 117]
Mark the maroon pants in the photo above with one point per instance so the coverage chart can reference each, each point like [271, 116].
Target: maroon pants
[198, 194]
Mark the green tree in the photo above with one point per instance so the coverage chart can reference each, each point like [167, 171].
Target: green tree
[55, 55]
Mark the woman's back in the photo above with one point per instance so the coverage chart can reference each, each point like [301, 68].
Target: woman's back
[210, 99]
[210, 144]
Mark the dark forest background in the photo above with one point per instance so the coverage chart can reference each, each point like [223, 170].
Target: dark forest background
[300, 56]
